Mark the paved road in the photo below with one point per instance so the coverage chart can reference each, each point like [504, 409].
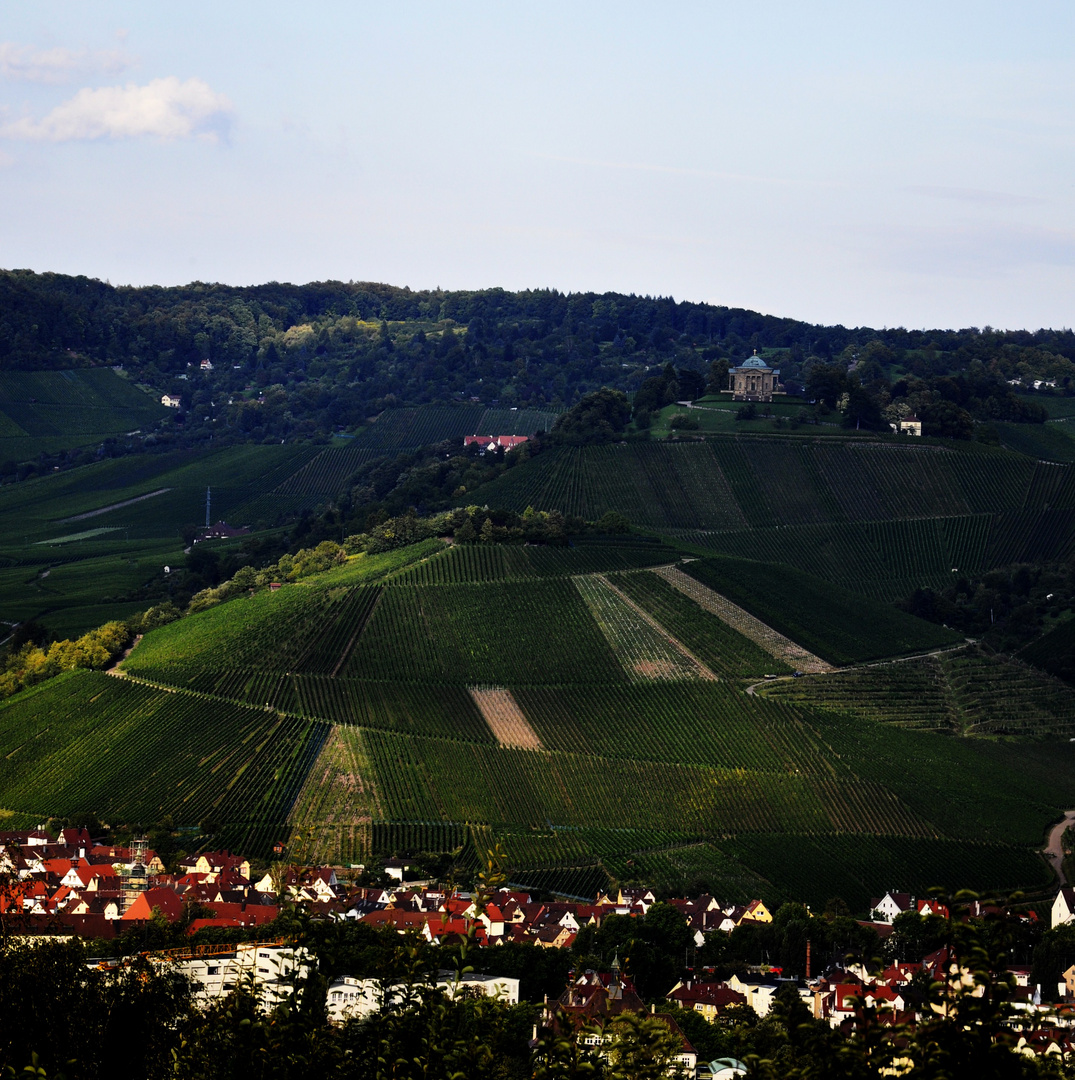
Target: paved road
[1054, 852]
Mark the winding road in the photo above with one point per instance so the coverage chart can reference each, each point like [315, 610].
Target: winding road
[1054, 850]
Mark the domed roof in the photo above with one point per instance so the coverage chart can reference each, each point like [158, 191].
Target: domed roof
[755, 362]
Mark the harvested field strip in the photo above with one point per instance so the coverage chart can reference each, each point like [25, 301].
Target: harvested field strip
[332, 816]
[775, 644]
[505, 718]
[641, 644]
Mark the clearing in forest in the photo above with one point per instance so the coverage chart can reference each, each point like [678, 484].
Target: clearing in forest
[331, 817]
[772, 642]
[504, 717]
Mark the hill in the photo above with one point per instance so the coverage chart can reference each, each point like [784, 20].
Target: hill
[589, 717]
[620, 707]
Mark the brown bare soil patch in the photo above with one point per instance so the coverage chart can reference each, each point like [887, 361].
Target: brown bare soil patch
[774, 643]
[505, 719]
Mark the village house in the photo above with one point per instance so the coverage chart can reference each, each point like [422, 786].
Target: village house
[711, 999]
[595, 998]
[1063, 909]
[886, 908]
[907, 425]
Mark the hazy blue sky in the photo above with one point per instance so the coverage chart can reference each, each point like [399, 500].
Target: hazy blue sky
[884, 163]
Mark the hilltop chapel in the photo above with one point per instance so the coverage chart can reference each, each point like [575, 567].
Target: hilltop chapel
[754, 380]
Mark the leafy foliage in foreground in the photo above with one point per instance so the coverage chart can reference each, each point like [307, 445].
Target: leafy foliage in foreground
[68, 1018]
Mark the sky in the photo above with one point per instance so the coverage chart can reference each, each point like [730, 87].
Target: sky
[883, 164]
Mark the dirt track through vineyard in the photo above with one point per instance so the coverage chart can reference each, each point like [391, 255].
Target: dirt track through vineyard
[505, 718]
[774, 643]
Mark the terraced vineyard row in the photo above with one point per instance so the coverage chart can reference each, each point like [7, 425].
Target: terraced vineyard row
[884, 559]
[90, 743]
[345, 621]
[1000, 696]
[271, 630]
[430, 779]
[307, 623]
[838, 626]
[498, 562]
[310, 480]
[913, 693]
[701, 723]
[1032, 537]
[734, 483]
[498, 633]
[708, 637]
[975, 789]
[967, 691]
[325, 475]
[815, 869]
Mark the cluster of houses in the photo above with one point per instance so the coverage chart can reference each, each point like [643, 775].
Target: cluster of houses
[486, 443]
[71, 885]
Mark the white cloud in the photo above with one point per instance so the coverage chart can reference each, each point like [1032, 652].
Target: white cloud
[58, 65]
[166, 108]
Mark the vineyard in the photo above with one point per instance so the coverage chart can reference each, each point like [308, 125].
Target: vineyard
[708, 637]
[726, 484]
[813, 869]
[52, 410]
[489, 562]
[574, 716]
[584, 706]
[839, 626]
[641, 645]
[90, 743]
[965, 690]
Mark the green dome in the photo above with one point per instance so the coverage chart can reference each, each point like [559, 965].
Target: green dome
[755, 362]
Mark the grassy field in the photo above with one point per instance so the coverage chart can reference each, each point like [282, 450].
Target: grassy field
[79, 539]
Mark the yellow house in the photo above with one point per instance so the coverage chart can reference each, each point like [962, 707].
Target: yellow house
[756, 912]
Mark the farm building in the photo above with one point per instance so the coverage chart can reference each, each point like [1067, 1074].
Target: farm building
[492, 442]
[907, 425]
[754, 380]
